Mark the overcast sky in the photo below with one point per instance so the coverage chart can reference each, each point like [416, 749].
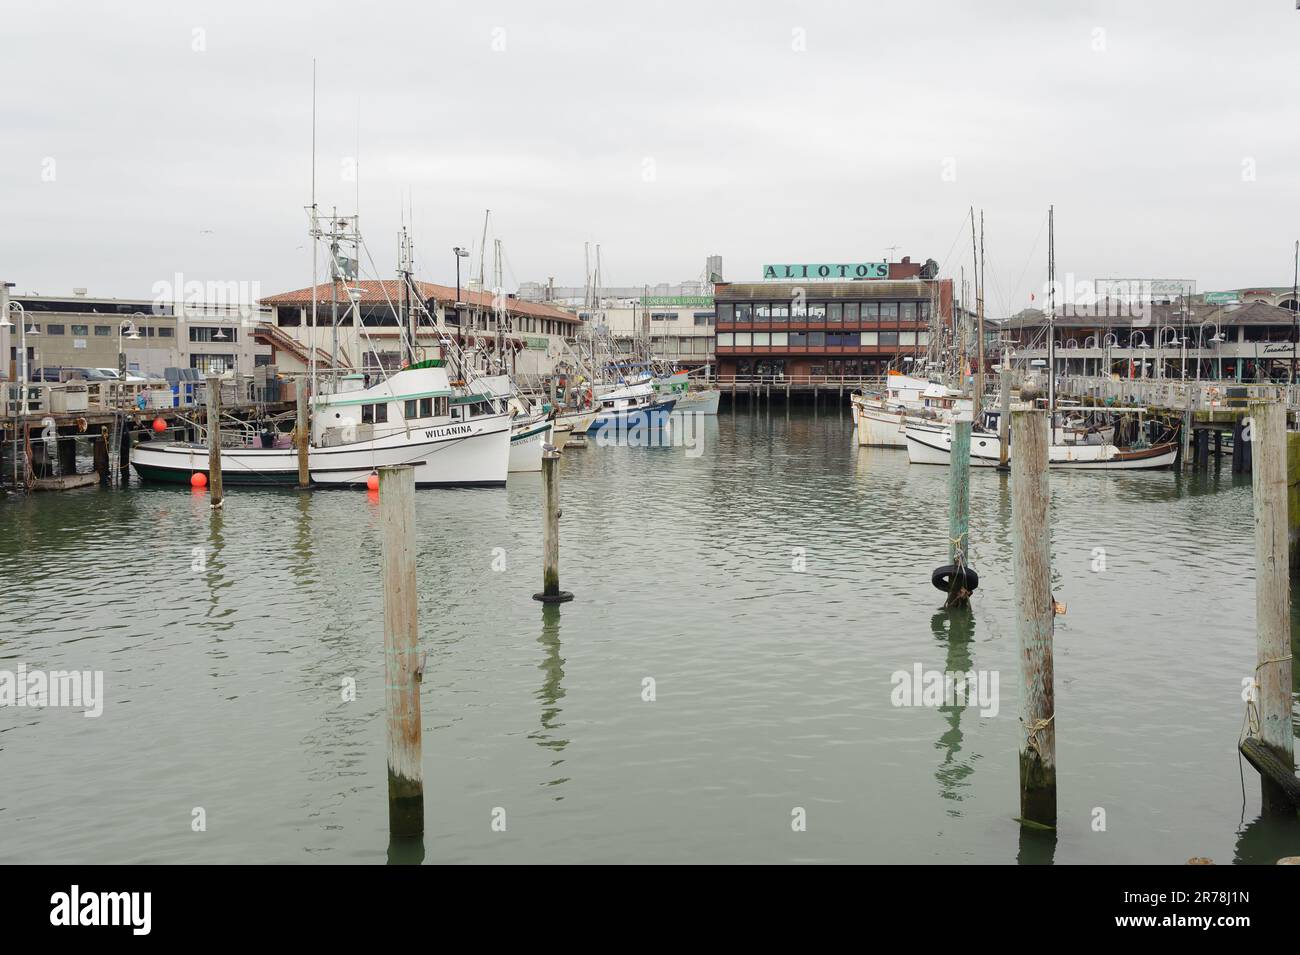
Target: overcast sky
[142, 139]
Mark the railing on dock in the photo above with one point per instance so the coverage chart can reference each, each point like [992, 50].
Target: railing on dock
[1175, 395]
[801, 382]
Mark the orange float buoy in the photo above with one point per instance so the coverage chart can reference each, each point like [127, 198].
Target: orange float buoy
[159, 424]
[198, 479]
[372, 482]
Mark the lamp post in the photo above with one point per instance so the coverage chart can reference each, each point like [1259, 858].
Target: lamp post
[460, 254]
[133, 335]
[1215, 339]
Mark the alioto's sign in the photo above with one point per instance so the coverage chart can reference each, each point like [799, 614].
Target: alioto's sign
[852, 270]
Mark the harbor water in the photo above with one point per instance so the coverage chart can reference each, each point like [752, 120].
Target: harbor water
[722, 688]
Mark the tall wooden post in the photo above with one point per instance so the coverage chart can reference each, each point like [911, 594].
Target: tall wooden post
[1266, 431]
[959, 509]
[304, 435]
[1035, 613]
[402, 673]
[215, 492]
[551, 592]
[1004, 418]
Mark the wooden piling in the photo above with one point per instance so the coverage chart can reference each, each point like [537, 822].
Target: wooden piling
[402, 673]
[102, 466]
[551, 592]
[959, 509]
[215, 491]
[303, 436]
[1035, 614]
[1267, 434]
[1004, 418]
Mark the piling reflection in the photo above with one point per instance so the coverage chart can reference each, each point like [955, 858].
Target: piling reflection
[405, 850]
[1037, 845]
[956, 630]
[551, 693]
[214, 565]
[303, 549]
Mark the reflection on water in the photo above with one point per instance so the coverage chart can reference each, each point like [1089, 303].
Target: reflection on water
[770, 586]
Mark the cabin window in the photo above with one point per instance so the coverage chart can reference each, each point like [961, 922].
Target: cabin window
[426, 407]
[381, 413]
[367, 414]
[411, 409]
[440, 406]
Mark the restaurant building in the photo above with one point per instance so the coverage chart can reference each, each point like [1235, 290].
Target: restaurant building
[833, 320]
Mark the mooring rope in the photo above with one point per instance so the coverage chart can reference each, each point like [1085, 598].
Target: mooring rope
[1031, 738]
[1251, 727]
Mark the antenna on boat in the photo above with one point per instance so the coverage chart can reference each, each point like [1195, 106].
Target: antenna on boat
[1051, 312]
[314, 232]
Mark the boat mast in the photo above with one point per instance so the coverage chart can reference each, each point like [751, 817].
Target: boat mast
[979, 305]
[1051, 312]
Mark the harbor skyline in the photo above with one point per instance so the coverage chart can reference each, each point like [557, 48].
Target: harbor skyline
[777, 133]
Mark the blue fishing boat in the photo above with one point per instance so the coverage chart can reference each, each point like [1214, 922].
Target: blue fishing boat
[632, 406]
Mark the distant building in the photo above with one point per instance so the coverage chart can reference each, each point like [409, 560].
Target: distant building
[78, 331]
[835, 320]
[1245, 342]
[535, 331]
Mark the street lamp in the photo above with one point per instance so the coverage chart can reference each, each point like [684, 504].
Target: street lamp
[1215, 339]
[460, 254]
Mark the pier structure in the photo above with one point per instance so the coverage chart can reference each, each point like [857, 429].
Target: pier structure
[1203, 412]
[43, 436]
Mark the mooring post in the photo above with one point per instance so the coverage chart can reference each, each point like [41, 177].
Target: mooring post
[1004, 417]
[402, 670]
[1035, 612]
[304, 435]
[215, 494]
[959, 510]
[1266, 434]
[551, 592]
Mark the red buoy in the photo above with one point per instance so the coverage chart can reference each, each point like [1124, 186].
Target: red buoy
[159, 424]
[372, 482]
[198, 479]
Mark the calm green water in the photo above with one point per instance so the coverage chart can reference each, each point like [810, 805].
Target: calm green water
[772, 685]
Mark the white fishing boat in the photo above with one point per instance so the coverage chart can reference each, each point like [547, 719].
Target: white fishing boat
[413, 417]
[527, 436]
[932, 444]
[879, 420]
[702, 401]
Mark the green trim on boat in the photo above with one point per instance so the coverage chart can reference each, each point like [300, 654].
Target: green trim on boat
[376, 401]
[470, 399]
[427, 363]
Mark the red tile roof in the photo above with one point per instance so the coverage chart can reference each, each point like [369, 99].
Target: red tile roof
[374, 292]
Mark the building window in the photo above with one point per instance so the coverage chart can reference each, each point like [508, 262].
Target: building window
[53, 329]
[212, 364]
[205, 335]
[726, 312]
[762, 338]
[744, 313]
[923, 311]
[870, 338]
[781, 338]
[834, 312]
[762, 313]
[726, 339]
[816, 311]
[704, 318]
[908, 311]
[798, 339]
[660, 317]
[81, 331]
[261, 361]
[889, 339]
[744, 339]
[907, 338]
[889, 311]
[816, 339]
[103, 331]
[870, 312]
[850, 311]
[780, 313]
[166, 332]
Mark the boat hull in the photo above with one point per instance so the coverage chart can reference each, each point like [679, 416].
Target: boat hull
[930, 445]
[474, 453]
[526, 446]
[653, 417]
[700, 402]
